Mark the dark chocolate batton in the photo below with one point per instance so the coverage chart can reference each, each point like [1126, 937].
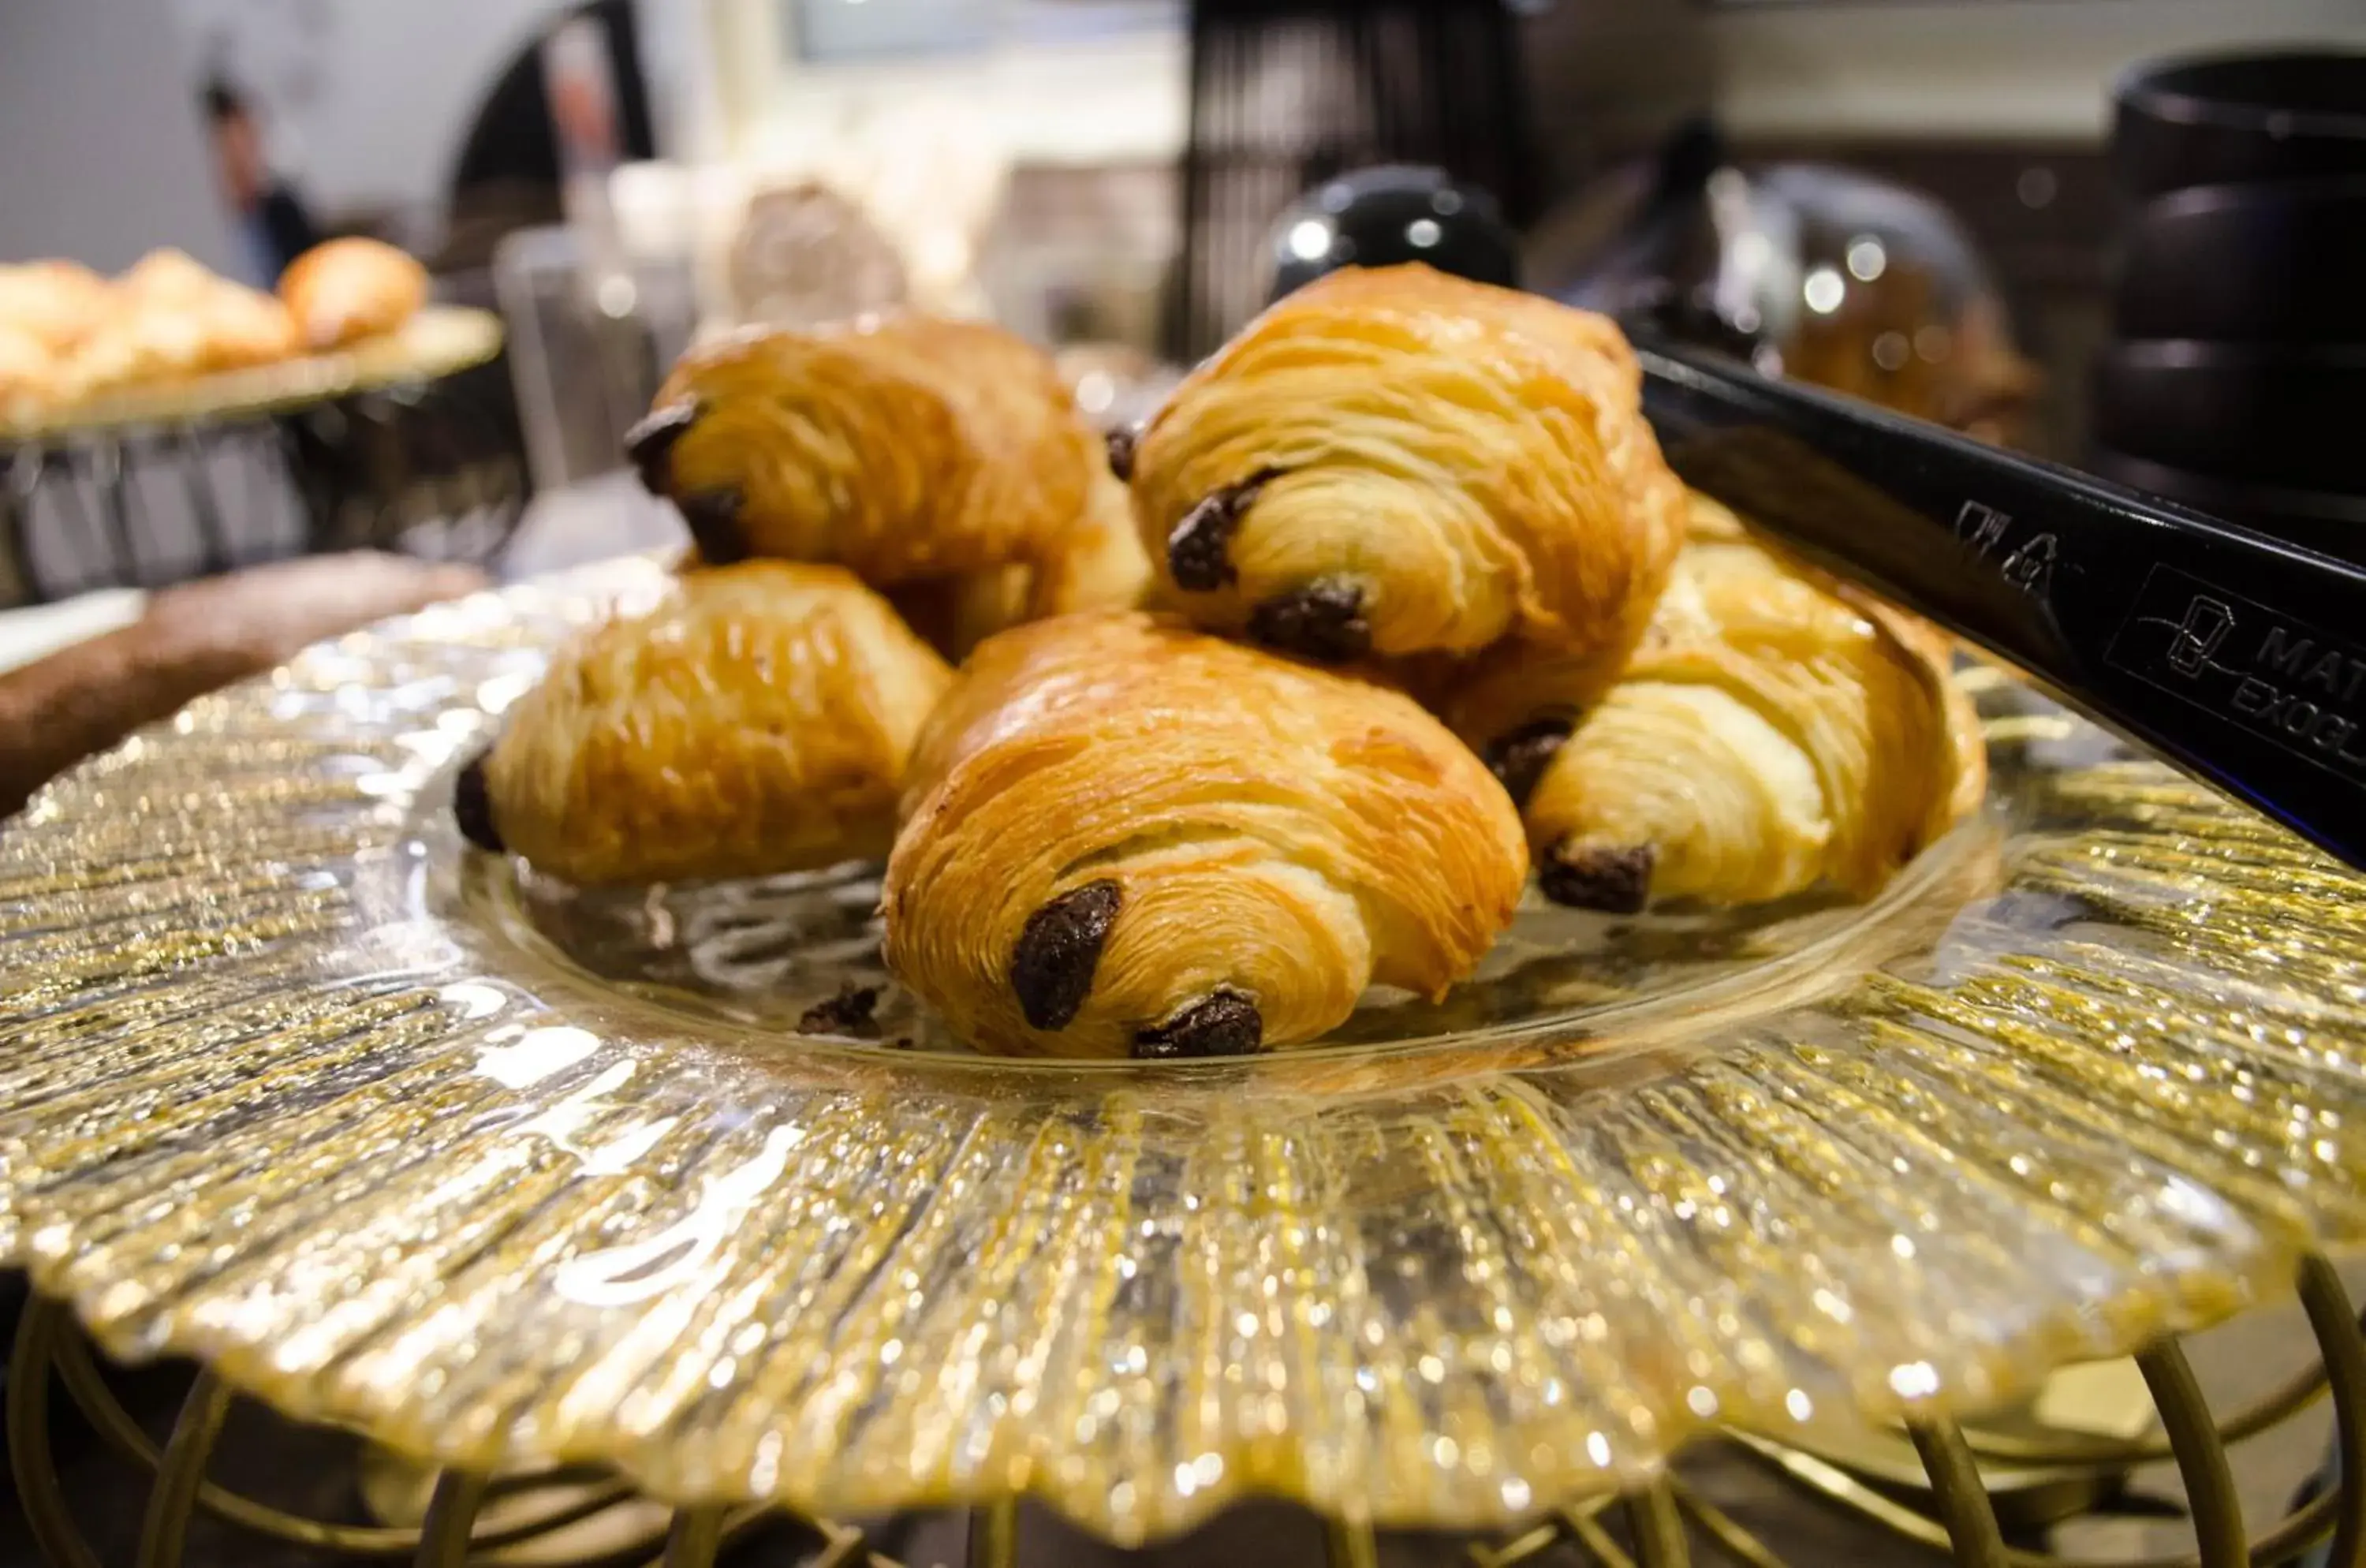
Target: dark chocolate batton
[1325, 620]
[713, 515]
[1051, 964]
[1225, 1024]
[472, 806]
[1614, 881]
[1121, 442]
[1518, 757]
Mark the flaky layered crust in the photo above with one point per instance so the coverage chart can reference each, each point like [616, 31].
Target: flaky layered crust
[1097, 565]
[1775, 731]
[1127, 838]
[904, 450]
[1397, 461]
[345, 290]
[756, 720]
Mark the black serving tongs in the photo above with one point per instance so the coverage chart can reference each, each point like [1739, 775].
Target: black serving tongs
[2237, 657]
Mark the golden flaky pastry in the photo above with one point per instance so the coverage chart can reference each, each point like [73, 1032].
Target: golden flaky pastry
[1397, 461]
[343, 290]
[1125, 838]
[756, 720]
[57, 303]
[1776, 730]
[903, 450]
[1098, 565]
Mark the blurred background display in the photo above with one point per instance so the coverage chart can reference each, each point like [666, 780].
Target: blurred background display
[1960, 209]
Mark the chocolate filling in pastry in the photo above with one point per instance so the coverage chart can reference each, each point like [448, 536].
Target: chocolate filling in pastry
[714, 519]
[1615, 881]
[1519, 757]
[1121, 442]
[1325, 620]
[650, 443]
[1199, 552]
[1052, 966]
[1226, 1024]
[472, 806]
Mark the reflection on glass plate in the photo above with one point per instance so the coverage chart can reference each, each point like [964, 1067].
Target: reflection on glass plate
[498, 1171]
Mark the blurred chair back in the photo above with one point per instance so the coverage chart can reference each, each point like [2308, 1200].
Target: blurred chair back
[1286, 93]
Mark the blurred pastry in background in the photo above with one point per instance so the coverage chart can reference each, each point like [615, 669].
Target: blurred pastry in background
[170, 333]
[166, 277]
[343, 290]
[54, 302]
[30, 380]
[244, 326]
[169, 320]
[807, 256]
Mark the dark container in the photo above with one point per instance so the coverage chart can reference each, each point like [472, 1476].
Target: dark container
[2293, 415]
[2282, 261]
[2226, 119]
[2317, 520]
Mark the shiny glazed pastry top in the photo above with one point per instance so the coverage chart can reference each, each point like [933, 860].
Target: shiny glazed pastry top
[1396, 461]
[904, 449]
[1124, 838]
[756, 720]
[1776, 730]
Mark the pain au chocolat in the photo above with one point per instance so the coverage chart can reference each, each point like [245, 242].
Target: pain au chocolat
[1125, 838]
[1397, 462]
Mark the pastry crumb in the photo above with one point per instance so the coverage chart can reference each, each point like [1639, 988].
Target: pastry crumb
[849, 1012]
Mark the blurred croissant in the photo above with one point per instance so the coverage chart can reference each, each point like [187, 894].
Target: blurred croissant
[1398, 461]
[756, 720]
[56, 303]
[31, 375]
[903, 450]
[1124, 838]
[1775, 731]
[343, 291]
[167, 277]
[172, 319]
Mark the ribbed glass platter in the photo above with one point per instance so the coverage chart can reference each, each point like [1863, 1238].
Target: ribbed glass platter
[498, 1173]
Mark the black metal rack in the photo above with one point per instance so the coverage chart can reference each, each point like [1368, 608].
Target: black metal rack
[435, 468]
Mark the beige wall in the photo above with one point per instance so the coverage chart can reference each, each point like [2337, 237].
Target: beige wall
[1621, 70]
[104, 151]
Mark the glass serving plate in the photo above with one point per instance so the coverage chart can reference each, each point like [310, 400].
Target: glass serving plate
[498, 1173]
